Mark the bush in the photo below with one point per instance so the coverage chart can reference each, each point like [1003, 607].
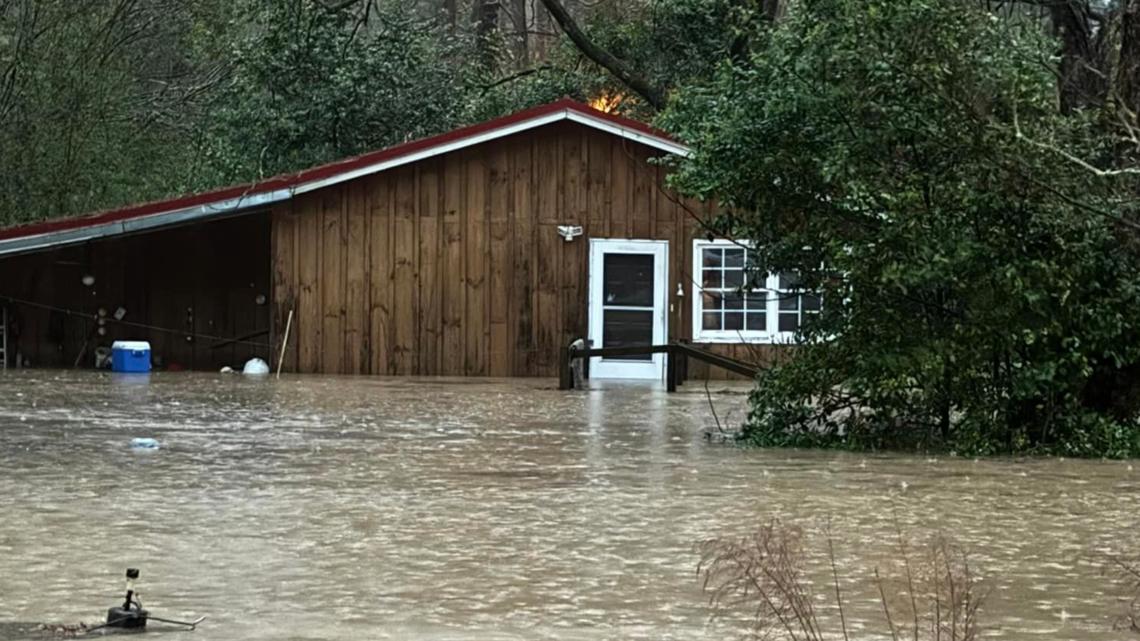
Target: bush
[908, 160]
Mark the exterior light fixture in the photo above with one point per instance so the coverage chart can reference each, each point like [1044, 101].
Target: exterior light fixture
[569, 232]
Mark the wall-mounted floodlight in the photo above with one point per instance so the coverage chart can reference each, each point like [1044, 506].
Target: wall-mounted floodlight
[569, 232]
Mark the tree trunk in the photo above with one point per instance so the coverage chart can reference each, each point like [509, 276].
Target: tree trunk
[773, 10]
[1081, 82]
[486, 19]
[1127, 84]
[522, 33]
[451, 11]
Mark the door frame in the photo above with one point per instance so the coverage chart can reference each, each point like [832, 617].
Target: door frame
[653, 369]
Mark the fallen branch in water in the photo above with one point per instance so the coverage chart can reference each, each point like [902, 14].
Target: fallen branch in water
[60, 630]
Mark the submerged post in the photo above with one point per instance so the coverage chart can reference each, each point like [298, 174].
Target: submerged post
[671, 369]
[565, 376]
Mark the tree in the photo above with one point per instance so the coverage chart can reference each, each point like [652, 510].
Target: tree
[653, 47]
[908, 160]
[98, 100]
[310, 85]
[622, 70]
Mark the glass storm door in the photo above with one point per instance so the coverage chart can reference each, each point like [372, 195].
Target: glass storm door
[628, 288]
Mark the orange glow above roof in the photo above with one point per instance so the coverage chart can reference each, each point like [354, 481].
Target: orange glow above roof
[607, 102]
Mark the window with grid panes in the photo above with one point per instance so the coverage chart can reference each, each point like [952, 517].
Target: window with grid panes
[724, 311]
[724, 306]
[792, 303]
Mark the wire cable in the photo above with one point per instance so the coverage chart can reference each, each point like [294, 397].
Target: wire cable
[155, 328]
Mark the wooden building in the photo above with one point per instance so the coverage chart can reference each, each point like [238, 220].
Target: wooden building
[480, 252]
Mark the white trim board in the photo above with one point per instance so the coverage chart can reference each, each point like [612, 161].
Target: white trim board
[654, 368]
[494, 134]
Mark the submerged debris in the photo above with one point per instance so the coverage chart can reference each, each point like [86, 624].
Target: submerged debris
[58, 630]
[144, 443]
[721, 435]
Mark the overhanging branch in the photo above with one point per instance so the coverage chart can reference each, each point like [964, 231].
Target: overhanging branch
[621, 69]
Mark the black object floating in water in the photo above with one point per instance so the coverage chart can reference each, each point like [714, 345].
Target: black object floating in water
[131, 614]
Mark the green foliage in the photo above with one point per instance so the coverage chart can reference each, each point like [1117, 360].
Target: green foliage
[980, 288]
[309, 86]
[561, 75]
[94, 102]
[677, 41]
[110, 102]
[668, 41]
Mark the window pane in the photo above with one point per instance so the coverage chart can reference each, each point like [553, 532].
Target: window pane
[710, 321]
[756, 301]
[710, 279]
[734, 257]
[628, 280]
[811, 302]
[623, 328]
[733, 278]
[789, 301]
[733, 300]
[733, 320]
[789, 322]
[789, 281]
[711, 301]
[756, 321]
[712, 257]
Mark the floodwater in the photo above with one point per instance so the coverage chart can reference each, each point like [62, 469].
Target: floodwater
[340, 508]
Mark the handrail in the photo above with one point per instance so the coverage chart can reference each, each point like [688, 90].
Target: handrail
[733, 365]
[627, 350]
[676, 361]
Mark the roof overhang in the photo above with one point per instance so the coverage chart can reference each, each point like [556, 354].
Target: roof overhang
[251, 197]
[174, 217]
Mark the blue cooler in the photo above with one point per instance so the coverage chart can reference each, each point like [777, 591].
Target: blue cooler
[130, 356]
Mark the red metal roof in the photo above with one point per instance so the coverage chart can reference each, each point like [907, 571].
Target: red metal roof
[230, 199]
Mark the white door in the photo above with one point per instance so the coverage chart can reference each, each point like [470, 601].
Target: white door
[628, 289]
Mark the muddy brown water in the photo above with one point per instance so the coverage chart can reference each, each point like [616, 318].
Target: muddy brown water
[340, 508]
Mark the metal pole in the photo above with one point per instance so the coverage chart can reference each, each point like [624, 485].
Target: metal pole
[190, 624]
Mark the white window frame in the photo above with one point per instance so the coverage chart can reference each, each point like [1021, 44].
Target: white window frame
[771, 335]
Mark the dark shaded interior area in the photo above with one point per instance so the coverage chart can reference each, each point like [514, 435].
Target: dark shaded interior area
[199, 294]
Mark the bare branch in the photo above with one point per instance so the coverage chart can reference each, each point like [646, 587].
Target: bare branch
[1096, 171]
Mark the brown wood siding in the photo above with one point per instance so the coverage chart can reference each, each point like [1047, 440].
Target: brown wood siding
[751, 353]
[453, 265]
[449, 266]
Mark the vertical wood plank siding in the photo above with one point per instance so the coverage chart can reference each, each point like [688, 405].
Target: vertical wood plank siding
[453, 265]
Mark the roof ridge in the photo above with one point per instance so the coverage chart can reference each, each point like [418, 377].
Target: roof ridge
[284, 186]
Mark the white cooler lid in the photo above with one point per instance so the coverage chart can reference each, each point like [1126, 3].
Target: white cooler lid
[131, 345]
